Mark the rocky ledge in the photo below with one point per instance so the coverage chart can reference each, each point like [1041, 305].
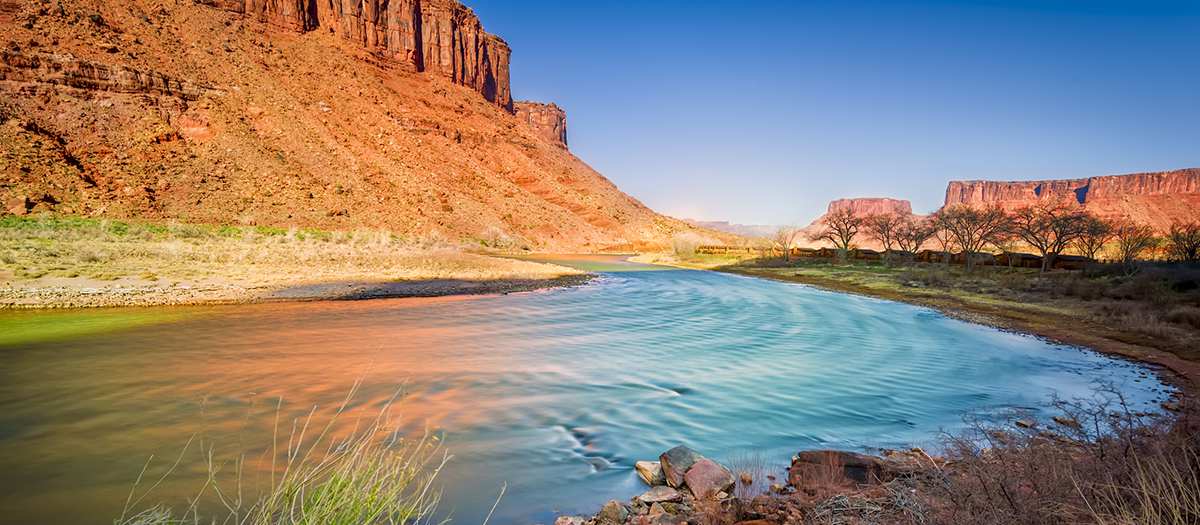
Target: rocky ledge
[687, 488]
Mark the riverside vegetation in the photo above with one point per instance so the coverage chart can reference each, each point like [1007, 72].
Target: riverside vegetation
[50, 261]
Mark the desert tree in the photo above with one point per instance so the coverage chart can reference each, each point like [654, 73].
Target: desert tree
[1183, 242]
[973, 229]
[839, 227]
[912, 234]
[1049, 228]
[1133, 240]
[1095, 234]
[785, 237]
[884, 228]
[1007, 241]
[944, 239]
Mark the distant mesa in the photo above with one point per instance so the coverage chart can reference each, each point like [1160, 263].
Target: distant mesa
[1157, 199]
[865, 206]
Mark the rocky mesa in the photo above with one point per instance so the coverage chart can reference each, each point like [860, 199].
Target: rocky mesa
[1158, 199]
[330, 114]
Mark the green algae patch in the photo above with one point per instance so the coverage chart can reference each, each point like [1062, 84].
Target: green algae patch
[19, 327]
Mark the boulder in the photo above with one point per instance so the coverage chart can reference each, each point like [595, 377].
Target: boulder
[570, 520]
[676, 462]
[613, 513]
[706, 479]
[835, 467]
[660, 494]
[651, 472]
[17, 205]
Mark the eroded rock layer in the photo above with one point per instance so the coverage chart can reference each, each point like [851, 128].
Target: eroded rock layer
[1157, 199]
[443, 37]
[548, 120]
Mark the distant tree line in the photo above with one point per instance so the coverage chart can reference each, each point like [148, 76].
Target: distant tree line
[1049, 228]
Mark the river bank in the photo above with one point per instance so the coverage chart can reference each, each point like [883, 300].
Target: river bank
[66, 262]
[1118, 317]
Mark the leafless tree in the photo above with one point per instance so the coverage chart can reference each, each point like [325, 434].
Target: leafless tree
[1006, 242]
[785, 237]
[912, 234]
[943, 237]
[1183, 242]
[885, 228]
[973, 229]
[839, 227]
[1049, 228]
[1132, 241]
[1096, 233]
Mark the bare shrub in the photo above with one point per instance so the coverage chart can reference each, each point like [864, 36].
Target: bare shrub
[685, 244]
[1098, 461]
[1133, 241]
[1183, 242]
[750, 469]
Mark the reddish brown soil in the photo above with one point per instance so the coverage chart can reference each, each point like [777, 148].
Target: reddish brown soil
[222, 119]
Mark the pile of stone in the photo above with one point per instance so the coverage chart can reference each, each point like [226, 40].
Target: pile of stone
[679, 481]
[686, 487]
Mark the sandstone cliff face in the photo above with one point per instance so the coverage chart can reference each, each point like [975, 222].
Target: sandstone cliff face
[871, 206]
[548, 120]
[443, 37]
[1158, 199]
[178, 110]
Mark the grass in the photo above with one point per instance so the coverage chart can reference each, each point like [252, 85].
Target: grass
[46, 260]
[369, 476]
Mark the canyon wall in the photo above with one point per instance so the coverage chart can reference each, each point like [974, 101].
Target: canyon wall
[548, 120]
[1158, 199]
[442, 37]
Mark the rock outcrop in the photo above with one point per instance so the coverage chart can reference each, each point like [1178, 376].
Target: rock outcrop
[65, 70]
[1157, 199]
[442, 37]
[548, 120]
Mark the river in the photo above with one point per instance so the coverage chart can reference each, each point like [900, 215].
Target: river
[553, 394]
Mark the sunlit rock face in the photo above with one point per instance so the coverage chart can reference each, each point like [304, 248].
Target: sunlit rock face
[1158, 199]
[548, 120]
[871, 206]
[443, 37]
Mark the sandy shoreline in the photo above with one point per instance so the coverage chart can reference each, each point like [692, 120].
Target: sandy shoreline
[55, 297]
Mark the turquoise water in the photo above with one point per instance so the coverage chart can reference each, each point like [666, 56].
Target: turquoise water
[553, 394]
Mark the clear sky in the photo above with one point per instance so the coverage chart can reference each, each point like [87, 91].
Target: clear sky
[762, 111]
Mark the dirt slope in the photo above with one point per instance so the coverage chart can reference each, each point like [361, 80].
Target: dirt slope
[180, 110]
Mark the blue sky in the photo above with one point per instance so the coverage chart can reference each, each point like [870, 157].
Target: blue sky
[763, 111]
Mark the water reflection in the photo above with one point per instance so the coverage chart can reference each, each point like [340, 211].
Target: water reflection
[556, 393]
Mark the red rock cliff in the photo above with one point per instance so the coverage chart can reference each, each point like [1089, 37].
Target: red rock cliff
[871, 206]
[548, 120]
[1158, 199]
[443, 37]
